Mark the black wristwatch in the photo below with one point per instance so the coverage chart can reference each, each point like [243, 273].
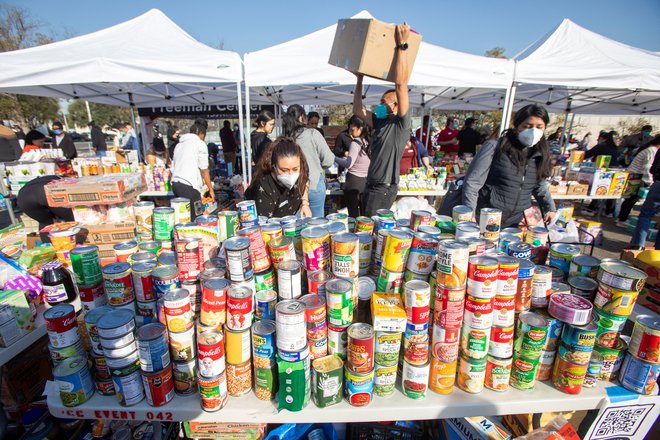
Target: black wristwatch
[402, 46]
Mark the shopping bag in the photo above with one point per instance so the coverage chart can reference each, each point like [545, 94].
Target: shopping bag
[567, 234]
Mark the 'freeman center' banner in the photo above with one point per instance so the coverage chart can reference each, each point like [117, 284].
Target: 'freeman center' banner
[207, 111]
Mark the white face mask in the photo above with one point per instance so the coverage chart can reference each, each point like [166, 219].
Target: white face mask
[530, 137]
[288, 180]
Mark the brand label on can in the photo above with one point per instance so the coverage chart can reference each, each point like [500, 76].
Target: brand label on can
[498, 373]
[504, 308]
[471, 374]
[159, 387]
[478, 312]
[501, 342]
[211, 349]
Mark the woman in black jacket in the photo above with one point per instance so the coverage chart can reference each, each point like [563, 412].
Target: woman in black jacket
[509, 171]
[259, 140]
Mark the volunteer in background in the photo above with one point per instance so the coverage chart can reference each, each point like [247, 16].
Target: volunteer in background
[190, 168]
[468, 138]
[357, 166]
[391, 130]
[313, 119]
[649, 209]
[63, 141]
[506, 173]
[32, 201]
[605, 146]
[98, 138]
[316, 151]
[279, 186]
[415, 156]
[10, 148]
[447, 137]
[259, 140]
[640, 165]
[34, 140]
[424, 134]
[630, 144]
[229, 147]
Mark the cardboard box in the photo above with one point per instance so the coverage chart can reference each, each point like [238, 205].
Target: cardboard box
[652, 272]
[368, 46]
[577, 188]
[472, 428]
[619, 179]
[388, 312]
[521, 424]
[107, 254]
[108, 233]
[603, 161]
[601, 182]
[95, 190]
[23, 309]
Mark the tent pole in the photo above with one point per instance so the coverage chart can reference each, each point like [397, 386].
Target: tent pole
[508, 108]
[134, 123]
[247, 130]
[568, 134]
[89, 112]
[240, 130]
[428, 129]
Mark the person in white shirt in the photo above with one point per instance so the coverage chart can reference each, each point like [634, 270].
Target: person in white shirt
[640, 165]
[190, 168]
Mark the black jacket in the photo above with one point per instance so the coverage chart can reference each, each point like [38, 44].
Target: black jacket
[98, 139]
[259, 141]
[67, 146]
[273, 199]
[603, 149]
[10, 149]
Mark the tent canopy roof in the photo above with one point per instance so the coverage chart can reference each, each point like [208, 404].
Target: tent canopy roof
[149, 56]
[297, 71]
[571, 55]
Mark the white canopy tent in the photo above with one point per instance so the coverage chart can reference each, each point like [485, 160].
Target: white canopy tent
[572, 69]
[147, 61]
[297, 71]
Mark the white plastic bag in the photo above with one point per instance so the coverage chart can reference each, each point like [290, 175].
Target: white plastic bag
[559, 234]
[405, 205]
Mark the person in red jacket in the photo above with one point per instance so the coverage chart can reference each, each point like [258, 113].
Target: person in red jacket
[447, 137]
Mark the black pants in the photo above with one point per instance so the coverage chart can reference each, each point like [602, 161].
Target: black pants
[182, 190]
[378, 196]
[32, 201]
[354, 194]
[627, 206]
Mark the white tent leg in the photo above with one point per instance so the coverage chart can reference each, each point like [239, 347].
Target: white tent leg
[240, 130]
[247, 130]
[509, 99]
[89, 112]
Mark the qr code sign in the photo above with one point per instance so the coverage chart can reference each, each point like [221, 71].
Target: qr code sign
[620, 421]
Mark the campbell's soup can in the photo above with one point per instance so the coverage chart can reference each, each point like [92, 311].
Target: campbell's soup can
[504, 309]
[61, 325]
[449, 313]
[478, 312]
[240, 305]
[211, 353]
[501, 341]
[482, 276]
[507, 276]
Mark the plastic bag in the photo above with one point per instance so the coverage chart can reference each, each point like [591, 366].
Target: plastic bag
[559, 234]
[556, 429]
[405, 205]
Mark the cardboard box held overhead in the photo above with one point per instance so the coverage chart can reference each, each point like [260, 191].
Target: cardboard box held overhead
[368, 46]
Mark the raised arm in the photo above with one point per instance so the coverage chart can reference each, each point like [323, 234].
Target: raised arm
[358, 107]
[401, 68]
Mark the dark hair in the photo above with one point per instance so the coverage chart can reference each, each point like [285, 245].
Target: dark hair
[263, 117]
[282, 147]
[654, 141]
[226, 123]
[647, 128]
[608, 138]
[201, 121]
[290, 121]
[313, 115]
[449, 121]
[356, 121]
[197, 129]
[57, 124]
[516, 151]
[33, 135]
[469, 122]
[425, 120]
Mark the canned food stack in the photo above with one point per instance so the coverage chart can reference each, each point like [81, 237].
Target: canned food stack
[63, 334]
[116, 330]
[293, 358]
[345, 261]
[641, 365]
[100, 372]
[490, 220]
[163, 226]
[240, 313]
[178, 317]
[247, 214]
[317, 328]
[212, 377]
[395, 250]
[264, 349]
[547, 359]
[537, 237]
[415, 363]
[383, 223]
[228, 224]
[561, 255]
[144, 212]
[155, 364]
[86, 267]
[528, 345]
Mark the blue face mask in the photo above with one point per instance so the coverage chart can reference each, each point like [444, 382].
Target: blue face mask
[646, 134]
[57, 132]
[455, 126]
[381, 111]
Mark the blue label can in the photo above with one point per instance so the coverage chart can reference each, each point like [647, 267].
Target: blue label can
[638, 375]
[358, 387]
[153, 347]
[520, 249]
[74, 381]
[263, 343]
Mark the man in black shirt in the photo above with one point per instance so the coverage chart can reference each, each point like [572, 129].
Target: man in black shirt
[468, 138]
[98, 138]
[391, 130]
[62, 140]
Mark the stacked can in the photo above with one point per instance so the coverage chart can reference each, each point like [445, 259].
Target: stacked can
[339, 314]
[547, 359]
[420, 218]
[227, 225]
[415, 363]
[316, 248]
[213, 309]
[118, 286]
[490, 220]
[240, 313]
[264, 349]
[293, 355]
[100, 371]
[155, 364]
[482, 288]
[575, 348]
[365, 253]
[247, 214]
[89, 277]
[421, 259]
[525, 283]
[345, 261]
[394, 256]
[382, 228]
[281, 249]
[641, 365]
[63, 334]
[317, 328]
[529, 341]
[189, 258]
[359, 367]
[212, 376]
[178, 317]
[181, 206]
[264, 275]
[163, 224]
[144, 212]
[116, 330]
[145, 294]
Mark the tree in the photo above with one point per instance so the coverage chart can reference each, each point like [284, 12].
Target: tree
[495, 52]
[630, 126]
[19, 30]
[102, 114]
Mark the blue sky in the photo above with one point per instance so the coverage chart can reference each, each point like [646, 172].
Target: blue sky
[474, 26]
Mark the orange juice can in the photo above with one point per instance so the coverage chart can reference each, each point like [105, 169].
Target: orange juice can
[442, 376]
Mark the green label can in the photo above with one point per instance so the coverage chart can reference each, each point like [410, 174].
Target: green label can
[531, 333]
[227, 224]
[265, 280]
[523, 372]
[327, 380]
[163, 220]
[86, 265]
[265, 383]
[295, 381]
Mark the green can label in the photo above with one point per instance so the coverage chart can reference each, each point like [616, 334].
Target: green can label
[227, 225]
[295, 381]
[529, 341]
[86, 267]
[163, 224]
[265, 383]
[327, 380]
[523, 372]
[265, 280]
